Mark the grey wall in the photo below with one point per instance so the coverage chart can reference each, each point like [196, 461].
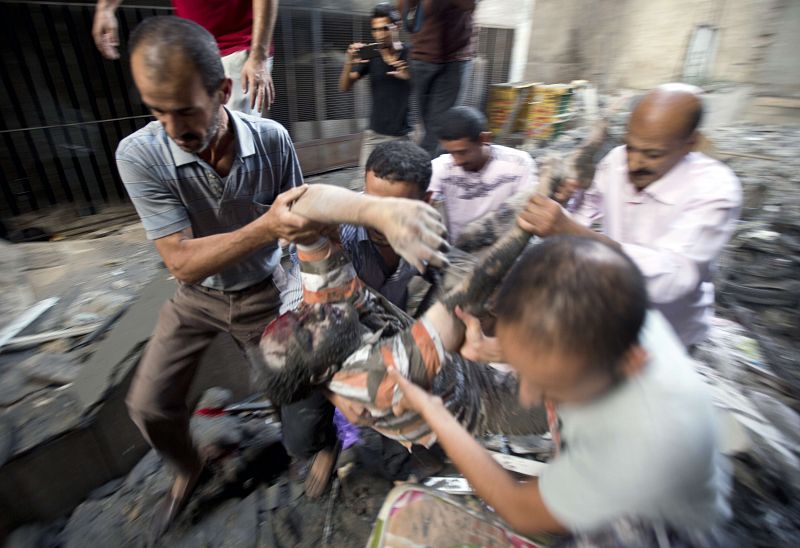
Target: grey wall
[637, 44]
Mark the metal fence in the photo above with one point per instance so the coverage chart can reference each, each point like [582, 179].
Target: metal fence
[66, 108]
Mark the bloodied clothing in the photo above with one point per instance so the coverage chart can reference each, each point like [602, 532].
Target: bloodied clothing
[469, 195]
[482, 398]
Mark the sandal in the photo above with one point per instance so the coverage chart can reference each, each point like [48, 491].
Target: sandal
[321, 470]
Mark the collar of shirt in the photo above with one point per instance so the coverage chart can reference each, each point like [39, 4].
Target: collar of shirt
[362, 237]
[242, 135]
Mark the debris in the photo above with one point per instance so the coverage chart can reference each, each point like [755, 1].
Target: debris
[520, 465]
[455, 485]
[48, 369]
[327, 531]
[23, 321]
[29, 341]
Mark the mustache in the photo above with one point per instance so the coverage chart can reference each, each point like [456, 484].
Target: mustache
[640, 172]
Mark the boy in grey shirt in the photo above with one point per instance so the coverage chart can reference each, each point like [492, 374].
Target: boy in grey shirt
[637, 439]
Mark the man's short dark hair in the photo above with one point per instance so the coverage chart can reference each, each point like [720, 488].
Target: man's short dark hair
[461, 123]
[385, 9]
[401, 161]
[575, 295]
[166, 34]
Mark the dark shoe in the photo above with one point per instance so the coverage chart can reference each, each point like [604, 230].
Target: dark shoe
[170, 507]
[321, 470]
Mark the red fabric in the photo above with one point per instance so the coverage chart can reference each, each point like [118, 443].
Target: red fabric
[210, 411]
[230, 21]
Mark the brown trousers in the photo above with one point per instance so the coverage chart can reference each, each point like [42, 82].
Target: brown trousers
[187, 324]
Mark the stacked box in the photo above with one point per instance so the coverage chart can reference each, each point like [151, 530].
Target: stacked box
[548, 111]
[503, 99]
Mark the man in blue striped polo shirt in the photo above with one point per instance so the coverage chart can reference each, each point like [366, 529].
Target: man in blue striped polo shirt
[214, 190]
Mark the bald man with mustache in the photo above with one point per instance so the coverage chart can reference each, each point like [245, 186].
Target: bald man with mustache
[671, 209]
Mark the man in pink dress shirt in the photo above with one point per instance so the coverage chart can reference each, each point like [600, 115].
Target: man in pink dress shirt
[670, 209]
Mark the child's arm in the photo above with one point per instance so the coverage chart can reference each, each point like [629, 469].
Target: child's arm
[519, 504]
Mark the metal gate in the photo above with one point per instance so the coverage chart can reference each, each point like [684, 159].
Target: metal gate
[66, 108]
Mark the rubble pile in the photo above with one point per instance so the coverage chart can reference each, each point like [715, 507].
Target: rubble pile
[249, 499]
[760, 268]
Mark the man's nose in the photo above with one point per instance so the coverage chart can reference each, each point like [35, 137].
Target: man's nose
[635, 161]
[172, 125]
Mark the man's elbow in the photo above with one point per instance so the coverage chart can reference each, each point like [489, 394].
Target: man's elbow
[181, 272]
[670, 288]
[525, 523]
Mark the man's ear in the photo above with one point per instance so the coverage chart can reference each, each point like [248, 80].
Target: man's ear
[634, 360]
[225, 89]
[486, 137]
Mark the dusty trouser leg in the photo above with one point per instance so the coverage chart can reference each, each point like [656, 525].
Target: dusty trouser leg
[157, 397]
[308, 426]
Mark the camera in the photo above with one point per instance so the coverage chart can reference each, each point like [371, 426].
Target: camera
[369, 51]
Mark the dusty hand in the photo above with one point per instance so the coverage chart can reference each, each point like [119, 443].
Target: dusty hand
[543, 217]
[105, 32]
[415, 231]
[414, 397]
[477, 346]
[352, 53]
[281, 222]
[257, 83]
[400, 70]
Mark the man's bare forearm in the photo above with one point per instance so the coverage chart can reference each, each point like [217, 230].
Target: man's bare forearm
[108, 4]
[519, 504]
[191, 260]
[265, 13]
[346, 79]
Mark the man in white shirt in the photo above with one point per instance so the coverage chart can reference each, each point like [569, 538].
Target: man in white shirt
[475, 177]
[670, 209]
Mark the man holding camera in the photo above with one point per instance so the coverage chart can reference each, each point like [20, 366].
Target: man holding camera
[386, 63]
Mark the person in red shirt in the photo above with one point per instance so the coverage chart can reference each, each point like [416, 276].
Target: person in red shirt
[243, 30]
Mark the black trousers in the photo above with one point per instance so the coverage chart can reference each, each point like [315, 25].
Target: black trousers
[308, 426]
[436, 89]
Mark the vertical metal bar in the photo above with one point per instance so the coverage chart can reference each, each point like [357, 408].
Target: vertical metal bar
[91, 100]
[99, 64]
[83, 130]
[319, 70]
[30, 92]
[318, 80]
[123, 76]
[289, 61]
[9, 195]
[73, 99]
[22, 174]
[60, 170]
